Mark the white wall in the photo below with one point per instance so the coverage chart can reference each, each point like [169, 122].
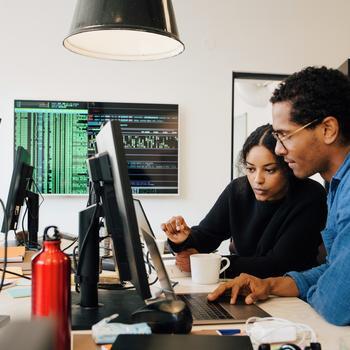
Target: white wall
[251, 109]
[271, 36]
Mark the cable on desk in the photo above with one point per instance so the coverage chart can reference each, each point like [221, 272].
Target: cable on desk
[148, 263]
[5, 246]
[150, 268]
[16, 274]
[83, 248]
[174, 283]
[26, 242]
[70, 245]
[75, 265]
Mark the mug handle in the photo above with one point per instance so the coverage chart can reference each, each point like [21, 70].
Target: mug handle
[226, 265]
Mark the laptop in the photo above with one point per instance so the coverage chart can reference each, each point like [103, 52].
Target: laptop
[203, 311]
[143, 222]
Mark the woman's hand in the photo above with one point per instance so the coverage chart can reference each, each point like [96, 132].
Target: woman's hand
[176, 229]
[182, 259]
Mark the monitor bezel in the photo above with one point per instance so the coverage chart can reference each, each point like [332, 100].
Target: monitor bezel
[109, 140]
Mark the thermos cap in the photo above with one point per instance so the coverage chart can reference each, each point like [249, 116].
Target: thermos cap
[54, 237]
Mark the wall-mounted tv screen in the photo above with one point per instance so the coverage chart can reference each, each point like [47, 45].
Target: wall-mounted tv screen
[60, 136]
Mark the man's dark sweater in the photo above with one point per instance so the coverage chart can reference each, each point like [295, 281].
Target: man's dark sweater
[269, 238]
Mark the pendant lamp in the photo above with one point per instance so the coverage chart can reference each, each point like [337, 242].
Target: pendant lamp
[124, 30]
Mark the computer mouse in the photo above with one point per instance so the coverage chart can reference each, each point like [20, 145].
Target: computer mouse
[165, 316]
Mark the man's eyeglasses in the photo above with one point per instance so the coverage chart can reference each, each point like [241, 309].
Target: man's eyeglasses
[283, 138]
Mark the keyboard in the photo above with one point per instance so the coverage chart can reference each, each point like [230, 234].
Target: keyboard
[202, 309]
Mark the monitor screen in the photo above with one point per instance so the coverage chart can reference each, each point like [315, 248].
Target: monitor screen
[20, 183]
[110, 141]
[60, 135]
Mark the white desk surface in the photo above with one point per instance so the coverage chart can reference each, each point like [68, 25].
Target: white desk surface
[292, 309]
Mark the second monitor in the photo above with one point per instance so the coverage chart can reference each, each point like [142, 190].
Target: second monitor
[20, 193]
[114, 203]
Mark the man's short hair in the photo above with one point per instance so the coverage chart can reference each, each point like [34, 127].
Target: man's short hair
[316, 93]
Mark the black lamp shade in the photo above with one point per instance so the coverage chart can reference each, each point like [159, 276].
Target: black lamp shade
[124, 29]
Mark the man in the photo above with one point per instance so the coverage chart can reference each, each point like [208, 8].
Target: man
[311, 122]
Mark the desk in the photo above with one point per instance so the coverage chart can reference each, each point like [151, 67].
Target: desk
[292, 309]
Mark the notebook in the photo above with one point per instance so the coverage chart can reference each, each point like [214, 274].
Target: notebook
[14, 254]
[203, 311]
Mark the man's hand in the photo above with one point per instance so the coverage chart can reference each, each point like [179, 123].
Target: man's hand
[256, 288]
[176, 229]
[252, 287]
[182, 259]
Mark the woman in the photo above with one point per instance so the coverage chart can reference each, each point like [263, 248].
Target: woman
[273, 219]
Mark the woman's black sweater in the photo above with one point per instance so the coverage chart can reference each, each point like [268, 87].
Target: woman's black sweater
[269, 238]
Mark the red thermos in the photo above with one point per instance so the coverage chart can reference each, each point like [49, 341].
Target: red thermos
[51, 287]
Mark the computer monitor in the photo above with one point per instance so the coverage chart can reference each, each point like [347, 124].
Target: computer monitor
[19, 192]
[114, 202]
[110, 142]
[60, 135]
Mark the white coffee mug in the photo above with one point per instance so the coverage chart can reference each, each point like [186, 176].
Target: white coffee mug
[205, 268]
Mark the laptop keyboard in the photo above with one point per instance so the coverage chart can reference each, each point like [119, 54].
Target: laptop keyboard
[202, 309]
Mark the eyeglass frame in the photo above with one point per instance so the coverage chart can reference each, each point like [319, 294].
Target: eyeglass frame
[280, 139]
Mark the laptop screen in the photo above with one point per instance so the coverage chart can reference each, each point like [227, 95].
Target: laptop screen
[163, 277]
[142, 220]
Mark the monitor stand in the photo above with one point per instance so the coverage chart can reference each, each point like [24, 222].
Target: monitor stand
[33, 219]
[122, 302]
